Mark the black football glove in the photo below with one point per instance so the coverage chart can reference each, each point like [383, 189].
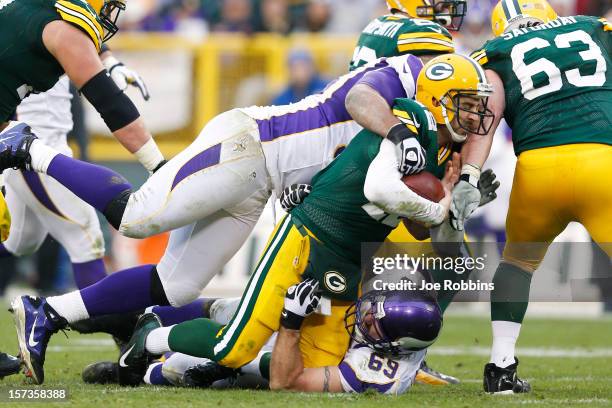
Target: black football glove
[301, 300]
[487, 186]
[293, 195]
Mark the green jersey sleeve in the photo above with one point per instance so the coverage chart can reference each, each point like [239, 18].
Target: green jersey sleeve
[80, 14]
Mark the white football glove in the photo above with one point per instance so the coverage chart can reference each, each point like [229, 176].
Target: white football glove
[411, 156]
[301, 300]
[124, 76]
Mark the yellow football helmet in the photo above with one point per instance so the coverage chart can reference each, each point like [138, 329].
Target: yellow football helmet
[452, 86]
[448, 13]
[108, 11]
[511, 14]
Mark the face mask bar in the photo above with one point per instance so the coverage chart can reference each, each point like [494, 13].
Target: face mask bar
[360, 333]
[450, 14]
[108, 16]
[485, 115]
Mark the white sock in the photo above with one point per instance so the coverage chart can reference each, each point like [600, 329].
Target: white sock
[157, 340]
[505, 335]
[41, 155]
[70, 306]
[253, 366]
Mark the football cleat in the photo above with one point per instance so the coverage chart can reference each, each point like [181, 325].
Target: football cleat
[134, 358]
[15, 142]
[35, 321]
[204, 375]
[499, 380]
[102, 372]
[427, 375]
[9, 365]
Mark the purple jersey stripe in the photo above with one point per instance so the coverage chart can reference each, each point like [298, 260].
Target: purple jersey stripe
[34, 182]
[325, 113]
[361, 386]
[205, 159]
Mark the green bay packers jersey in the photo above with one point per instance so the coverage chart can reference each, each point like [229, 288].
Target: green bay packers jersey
[557, 79]
[25, 64]
[392, 35]
[337, 211]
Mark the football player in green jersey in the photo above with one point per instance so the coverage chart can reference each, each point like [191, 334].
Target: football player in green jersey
[417, 27]
[65, 36]
[358, 198]
[553, 85]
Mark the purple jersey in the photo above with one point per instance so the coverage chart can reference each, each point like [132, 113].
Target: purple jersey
[304, 137]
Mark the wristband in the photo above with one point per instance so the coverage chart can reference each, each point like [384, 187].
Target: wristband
[398, 133]
[470, 173]
[290, 320]
[150, 156]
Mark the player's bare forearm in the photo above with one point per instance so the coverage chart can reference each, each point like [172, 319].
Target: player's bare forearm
[133, 136]
[286, 365]
[321, 379]
[370, 110]
[476, 148]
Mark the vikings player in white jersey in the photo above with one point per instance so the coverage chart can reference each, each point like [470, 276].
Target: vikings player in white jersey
[391, 332]
[39, 205]
[211, 194]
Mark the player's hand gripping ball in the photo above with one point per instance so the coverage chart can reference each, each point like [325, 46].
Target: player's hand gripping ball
[427, 186]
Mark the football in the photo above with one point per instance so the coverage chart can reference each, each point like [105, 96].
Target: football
[426, 185]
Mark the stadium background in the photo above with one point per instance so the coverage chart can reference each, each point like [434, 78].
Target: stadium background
[202, 57]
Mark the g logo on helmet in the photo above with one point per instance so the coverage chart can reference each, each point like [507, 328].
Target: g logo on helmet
[439, 71]
[334, 282]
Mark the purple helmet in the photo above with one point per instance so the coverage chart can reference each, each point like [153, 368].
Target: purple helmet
[404, 321]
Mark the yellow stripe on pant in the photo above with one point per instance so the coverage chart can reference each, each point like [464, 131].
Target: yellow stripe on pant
[323, 338]
[553, 186]
[5, 219]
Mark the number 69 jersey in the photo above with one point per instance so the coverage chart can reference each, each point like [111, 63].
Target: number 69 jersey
[558, 81]
[362, 369]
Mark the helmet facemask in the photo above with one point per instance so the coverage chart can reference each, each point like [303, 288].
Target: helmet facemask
[457, 104]
[362, 318]
[449, 13]
[108, 16]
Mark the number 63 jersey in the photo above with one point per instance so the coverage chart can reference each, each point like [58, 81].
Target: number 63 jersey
[362, 369]
[558, 81]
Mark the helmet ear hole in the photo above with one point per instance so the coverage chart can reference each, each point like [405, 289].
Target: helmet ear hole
[435, 102]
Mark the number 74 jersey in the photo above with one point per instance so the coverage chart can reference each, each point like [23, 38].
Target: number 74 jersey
[362, 369]
[557, 79]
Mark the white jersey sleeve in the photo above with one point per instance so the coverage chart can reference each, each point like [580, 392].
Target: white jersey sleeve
[362, 369]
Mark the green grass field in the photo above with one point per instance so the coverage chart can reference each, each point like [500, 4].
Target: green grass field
[569, 363]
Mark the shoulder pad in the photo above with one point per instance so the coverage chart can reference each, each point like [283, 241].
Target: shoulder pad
[605, 24]
[83, 16]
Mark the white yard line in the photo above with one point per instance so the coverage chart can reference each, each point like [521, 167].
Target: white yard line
[547, 352]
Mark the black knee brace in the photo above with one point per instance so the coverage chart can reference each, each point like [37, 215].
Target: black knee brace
[115, 209]
[158, 294]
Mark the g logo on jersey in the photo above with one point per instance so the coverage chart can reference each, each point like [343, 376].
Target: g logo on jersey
[439, 71]
[334, 282]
